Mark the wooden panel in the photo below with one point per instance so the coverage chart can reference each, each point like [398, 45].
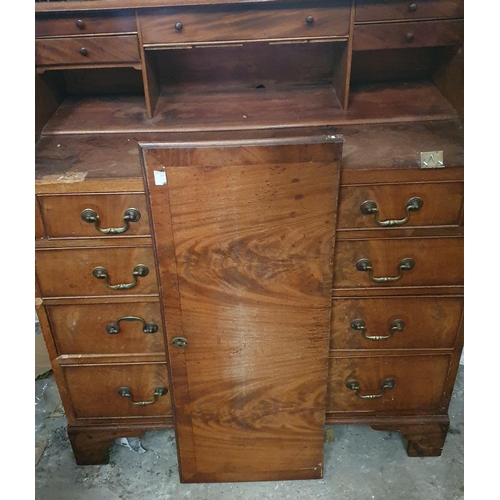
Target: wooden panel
[408, 35]
[442, 205]
[68, 272]
[247, 22]
[81, 328]
[429, 322]
[93, 390]
[39, 228]
[380, 10]
[89, 23]
[420, 383]
[438, 261]
[102, 49]
[252, 246]
[62, 214]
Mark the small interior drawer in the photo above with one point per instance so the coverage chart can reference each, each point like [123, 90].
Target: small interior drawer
[395, 322]
[87, 50]
[382, 10]
[84, 23]
[408, 35]
[436, 262]
[94, 391]
[385, 206]
[418, 383]
[95, 215]
[69, 272]
[119, 328]
[247, 22]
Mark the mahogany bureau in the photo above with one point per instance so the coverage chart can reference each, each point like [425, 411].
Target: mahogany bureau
[249, 224]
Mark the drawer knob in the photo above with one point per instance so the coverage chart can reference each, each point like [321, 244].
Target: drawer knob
[80, 24]
[309, 19]
[92, 217]
[410, 37]
[125, 392]
[396, 326]
[179, 342]
[412, 7]
[114, 328]
[366, 266]
[353, 385]
[178, 26]
[102, 274]
[83, 51]
[369, 207]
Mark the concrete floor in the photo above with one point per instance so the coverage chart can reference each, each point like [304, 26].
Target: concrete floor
[360, 464]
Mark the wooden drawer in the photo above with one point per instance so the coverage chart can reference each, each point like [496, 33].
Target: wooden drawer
[419, 383]
[437, 261]
[93, 390]
[441, 205]
[120, 328]
[245, 22]
[67, 272]
[395, 323]
[408, 35]
[62, 215]
[85, 23]
[87, 50]
[397, 10]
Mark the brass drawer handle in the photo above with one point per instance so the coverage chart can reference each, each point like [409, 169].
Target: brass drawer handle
[126, 393]
[102, 274]
[366, 265]
[92, 217]
[369, 207]
[353, 385]
[396, 326]
[114, 328]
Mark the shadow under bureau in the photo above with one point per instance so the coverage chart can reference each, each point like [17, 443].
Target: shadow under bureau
[249, 224]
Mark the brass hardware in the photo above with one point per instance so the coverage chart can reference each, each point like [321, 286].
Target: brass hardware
[92, 217]
[309, 19]
[178, 26]
[83, 51]
[412, 7]
[126, 393]
[369, 207]
[366, 265]
[179, 342]
[353, 385]
[114, 328]
[396, 326]
[102, 274]
[410, 37]
[431, 159]
[79, 24]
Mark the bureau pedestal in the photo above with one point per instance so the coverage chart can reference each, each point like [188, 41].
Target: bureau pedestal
[249, 224]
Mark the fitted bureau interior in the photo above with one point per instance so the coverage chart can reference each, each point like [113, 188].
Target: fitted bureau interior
[293, 63]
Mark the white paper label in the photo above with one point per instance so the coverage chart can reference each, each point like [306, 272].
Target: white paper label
[160, 178]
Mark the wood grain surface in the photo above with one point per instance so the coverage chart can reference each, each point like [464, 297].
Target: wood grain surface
[252, 247]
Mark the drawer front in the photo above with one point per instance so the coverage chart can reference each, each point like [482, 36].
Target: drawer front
[124, 328]
[67, 216]
[373, 207]
[248, 22]
[94, 390]
[397, 10]
[395, 323]
[85, 24]
[69, 272]
[408, 35]
[87, 50]
[419, 383]
[437, 261]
